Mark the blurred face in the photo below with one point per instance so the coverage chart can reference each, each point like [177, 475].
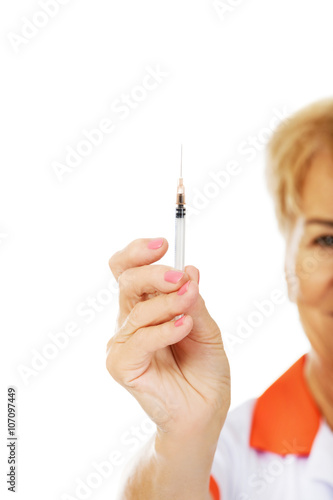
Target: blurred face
[309, 257]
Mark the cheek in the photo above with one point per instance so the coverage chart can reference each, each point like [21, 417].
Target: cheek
[315, 277]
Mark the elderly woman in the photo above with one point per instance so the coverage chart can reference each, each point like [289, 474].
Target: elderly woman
[279, 445]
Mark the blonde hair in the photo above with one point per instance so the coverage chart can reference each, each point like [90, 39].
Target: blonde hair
[289, 154]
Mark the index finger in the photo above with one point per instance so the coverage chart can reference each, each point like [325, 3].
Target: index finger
[139, 252]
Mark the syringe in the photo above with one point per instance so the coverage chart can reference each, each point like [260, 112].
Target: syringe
[180, 223]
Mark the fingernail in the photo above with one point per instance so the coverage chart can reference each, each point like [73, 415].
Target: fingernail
[179, 321]
[173, 276]
[183, 288]
[155, 244]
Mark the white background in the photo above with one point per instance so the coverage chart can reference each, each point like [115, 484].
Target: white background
[227, 74]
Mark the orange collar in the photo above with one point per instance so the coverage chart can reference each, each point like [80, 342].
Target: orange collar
[285, 417]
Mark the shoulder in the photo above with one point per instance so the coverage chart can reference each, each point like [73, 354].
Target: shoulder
[270, 431]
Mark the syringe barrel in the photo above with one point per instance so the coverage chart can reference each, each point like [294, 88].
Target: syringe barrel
[180, 237]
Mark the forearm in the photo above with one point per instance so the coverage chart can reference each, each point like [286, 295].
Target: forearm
[166, 468]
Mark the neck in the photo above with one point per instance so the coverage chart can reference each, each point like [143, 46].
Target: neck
[319, 378]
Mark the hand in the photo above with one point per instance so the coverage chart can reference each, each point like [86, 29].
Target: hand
[179, 374]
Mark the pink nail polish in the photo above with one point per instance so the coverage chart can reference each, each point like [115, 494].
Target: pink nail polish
[173, 276]
[155, 244]
[179, 321]
[183, 288]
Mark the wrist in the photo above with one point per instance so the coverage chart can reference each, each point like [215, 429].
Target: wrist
[187, 463]
[189, 454]
[202, 436]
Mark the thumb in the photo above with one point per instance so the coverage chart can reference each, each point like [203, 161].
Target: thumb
[193, 273]
[203, 324]
[198, 309]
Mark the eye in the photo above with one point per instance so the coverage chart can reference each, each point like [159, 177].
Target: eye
[325, 241]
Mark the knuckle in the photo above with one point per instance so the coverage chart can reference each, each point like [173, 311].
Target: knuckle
[109, 345]
[138, 338]
[132, 249]
[114, 265]
[111, 364]
[125, 279]
[112, 260]
[135, 316]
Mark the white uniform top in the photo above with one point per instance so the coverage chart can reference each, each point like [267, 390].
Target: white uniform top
[275, 447]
